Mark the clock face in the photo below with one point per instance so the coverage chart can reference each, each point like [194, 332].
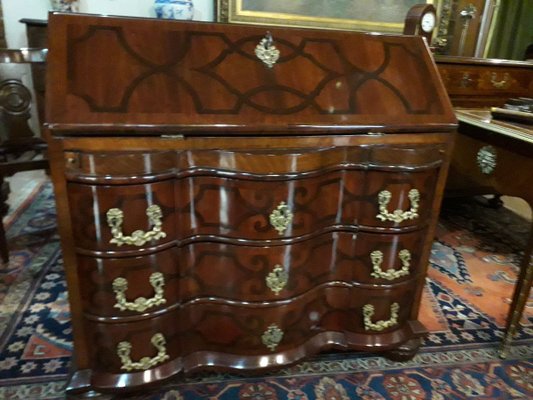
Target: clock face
[428, 22]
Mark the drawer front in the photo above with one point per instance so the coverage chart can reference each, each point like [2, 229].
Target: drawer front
[117, 218]
[485, 83]
[272, 210]
[138, 285]
[246, 209]
[125, 286]
[254, 273]
[263, 329]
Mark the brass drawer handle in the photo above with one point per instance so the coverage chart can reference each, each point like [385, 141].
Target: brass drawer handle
[368, 312]
[377, 259]
[277, 279]
[115, 218]
[384, 198]
[120, 285]
[281, 218]
[266, 51]
[503, 84]
[124, 352]
[272, 336]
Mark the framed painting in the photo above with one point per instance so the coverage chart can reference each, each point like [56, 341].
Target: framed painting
[365, 15]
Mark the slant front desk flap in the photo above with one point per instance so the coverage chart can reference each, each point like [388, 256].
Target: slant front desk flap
[142, 72]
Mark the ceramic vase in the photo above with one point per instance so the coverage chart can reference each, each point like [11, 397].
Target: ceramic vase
[65, 5]
[174, 9]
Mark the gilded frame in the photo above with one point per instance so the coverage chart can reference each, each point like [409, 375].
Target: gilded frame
[233, 11]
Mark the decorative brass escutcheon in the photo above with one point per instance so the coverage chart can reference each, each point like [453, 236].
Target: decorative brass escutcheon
[266, 51]
[281, 218]
[124, 352]
[486, 159]
[115, 218]
[272, 336]
[384, 198]
[120, 285]
[277, 279]
[503, 84]
[368, 313]
[377, 259]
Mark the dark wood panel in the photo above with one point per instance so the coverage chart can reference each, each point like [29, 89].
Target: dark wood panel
[209, 75]
[239, 273]
[208, 326]
[112, 167]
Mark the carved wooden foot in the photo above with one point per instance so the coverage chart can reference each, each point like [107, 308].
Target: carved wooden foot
[404, 352]
[79, 387]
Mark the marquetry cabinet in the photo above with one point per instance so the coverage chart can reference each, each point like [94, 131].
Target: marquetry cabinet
[477, 82]
[239, 197]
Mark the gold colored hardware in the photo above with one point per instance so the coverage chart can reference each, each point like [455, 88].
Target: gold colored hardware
[486, 159]
[281, 218]
[277, 279]
[266, 51]
[115, 218]
[377, 259]
[466, 80]
[397, 216]
[272, 337]
[368, 313]
[503, 84]
[124, 352]
[120, 285]
[177, 136]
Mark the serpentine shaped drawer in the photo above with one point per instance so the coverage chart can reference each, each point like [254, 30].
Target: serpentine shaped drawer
[126, 286]
[204, 207]
[254, 329]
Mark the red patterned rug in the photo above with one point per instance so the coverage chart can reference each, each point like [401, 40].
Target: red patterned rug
[473, 269]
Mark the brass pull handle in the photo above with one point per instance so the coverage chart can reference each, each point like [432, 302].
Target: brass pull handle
[503, 84]
[277, 279]
[266, 51]
[384, 198]
[120, 285]
[368, 313]
[281, 218]
[124, 352]
[272, 337]
[466, 80]
[115, 218]
[377, 259]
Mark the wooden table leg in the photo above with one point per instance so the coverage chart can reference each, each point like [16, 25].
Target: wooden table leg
[520, 296]
[4, 208]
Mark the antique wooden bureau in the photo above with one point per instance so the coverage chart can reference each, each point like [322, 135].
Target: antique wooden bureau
[237, 197]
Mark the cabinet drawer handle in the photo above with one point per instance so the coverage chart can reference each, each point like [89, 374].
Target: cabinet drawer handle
[368, 312]
[124, 352]
[266, 51]
[277, 279]
[272, 336]
[384, 198]
[120, 285]
[377, 259]
[115, 218]
[281, 218]
[503, 84]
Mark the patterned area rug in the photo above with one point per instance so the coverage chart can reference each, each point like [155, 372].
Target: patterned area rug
[473, 269]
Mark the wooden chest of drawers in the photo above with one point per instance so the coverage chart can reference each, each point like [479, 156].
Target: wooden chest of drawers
[477, 82]
[226, 206]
